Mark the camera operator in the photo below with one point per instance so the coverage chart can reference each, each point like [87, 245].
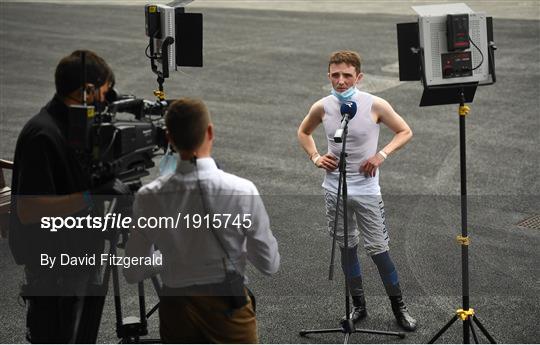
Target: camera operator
[49, 181]
[197, 303]
[363, 161]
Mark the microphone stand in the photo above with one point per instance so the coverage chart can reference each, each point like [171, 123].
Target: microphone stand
[347, 326]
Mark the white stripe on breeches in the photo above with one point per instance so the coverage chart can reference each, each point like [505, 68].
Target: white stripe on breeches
[368, 210]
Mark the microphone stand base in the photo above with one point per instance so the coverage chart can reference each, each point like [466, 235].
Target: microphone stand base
[348, 328]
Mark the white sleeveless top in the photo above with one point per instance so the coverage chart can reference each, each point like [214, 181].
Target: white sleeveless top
[362, 140]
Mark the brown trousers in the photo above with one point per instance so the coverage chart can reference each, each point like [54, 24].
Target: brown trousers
[205, 319]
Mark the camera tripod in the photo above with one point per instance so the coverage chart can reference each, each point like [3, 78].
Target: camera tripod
[347, 325]
[466, 314]
[129, 329]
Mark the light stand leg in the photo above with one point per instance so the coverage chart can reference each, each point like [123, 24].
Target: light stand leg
[473, 333]
[441, 332]
[466, 332]
[484, 330]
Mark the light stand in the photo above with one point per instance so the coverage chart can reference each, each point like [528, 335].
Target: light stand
[466, 314]
[347, 325]
[411, 68]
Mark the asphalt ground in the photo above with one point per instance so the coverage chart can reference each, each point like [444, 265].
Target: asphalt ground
[510, 9]
[262, 71]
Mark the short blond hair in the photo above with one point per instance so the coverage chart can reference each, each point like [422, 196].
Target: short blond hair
[346, 56]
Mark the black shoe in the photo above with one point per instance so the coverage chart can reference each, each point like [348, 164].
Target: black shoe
[403, 318]
[359, 311]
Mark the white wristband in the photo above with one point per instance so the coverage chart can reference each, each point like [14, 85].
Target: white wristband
[315, 158]
[382, 153]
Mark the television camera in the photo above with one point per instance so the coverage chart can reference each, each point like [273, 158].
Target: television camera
[109, 147]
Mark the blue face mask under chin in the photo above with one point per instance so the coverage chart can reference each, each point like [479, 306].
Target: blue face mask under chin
[168, 162]
[345, 95]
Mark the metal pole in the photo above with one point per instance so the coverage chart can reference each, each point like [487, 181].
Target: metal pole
[343, 164]
[464, 234]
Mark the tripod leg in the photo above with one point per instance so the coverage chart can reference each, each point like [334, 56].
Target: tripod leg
[370, 331]
[452, 320]
[157, 288]
[156, 284]
[473, 333]
[347, 335]
[484, 331]
[466, 331]
[153, 310]
[319, 331]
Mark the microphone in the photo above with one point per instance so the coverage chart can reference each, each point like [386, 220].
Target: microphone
[347, 110]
